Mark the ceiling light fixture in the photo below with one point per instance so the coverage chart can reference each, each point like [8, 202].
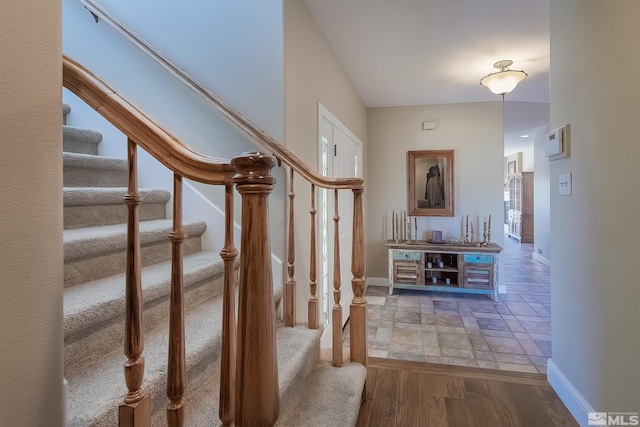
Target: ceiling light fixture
[504, 81]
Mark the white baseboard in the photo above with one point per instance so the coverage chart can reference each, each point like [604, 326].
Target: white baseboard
[378, 281]
[541, 259]
[572, 399]
[65, 402]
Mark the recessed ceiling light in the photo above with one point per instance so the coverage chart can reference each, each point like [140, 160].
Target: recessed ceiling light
[524, 136]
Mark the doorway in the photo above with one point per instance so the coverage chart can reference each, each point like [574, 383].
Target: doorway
[340, 155]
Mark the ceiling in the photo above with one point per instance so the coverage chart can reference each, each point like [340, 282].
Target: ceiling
[425, 52]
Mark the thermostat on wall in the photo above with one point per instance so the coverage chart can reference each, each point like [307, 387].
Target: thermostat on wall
[557, 143]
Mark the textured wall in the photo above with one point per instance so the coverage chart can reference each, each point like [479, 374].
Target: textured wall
[31, 374]
[313, 74]
[595, 238]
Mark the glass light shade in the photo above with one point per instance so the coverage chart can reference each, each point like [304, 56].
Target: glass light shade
[503, 82]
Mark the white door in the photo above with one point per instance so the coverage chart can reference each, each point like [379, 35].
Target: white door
[340, 156]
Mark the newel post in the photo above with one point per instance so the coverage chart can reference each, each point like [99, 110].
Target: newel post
[257, 398]
[358, 308]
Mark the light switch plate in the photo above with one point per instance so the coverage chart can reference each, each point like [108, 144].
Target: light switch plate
[564, 184]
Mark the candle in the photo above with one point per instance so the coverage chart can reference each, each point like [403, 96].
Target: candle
[467, 221]
[404, 225]
[397, 236]
[393, 225]
[489, 221]
[471, 227]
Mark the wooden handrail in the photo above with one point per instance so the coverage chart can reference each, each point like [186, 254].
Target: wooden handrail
[257, 134]
[166, 148]
[251, 373]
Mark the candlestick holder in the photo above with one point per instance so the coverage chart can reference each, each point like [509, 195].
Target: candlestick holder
[484, 234]
[408, 231]
[415, 224]
[466, 232]
[488, 236]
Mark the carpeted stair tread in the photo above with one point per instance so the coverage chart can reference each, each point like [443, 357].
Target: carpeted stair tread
[329, 397]
[96, 388]
[95, 241]
[87, 170]
[89, 161]
[94, 302]
[297, 349]
[97, 206]
[79, 140]
[87, 196]
[81, 243]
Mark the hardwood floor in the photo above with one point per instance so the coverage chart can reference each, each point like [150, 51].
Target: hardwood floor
[404, 394]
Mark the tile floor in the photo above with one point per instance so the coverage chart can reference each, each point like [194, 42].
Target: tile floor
[513, 333]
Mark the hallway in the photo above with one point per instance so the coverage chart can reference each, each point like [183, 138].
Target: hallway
[513, 333]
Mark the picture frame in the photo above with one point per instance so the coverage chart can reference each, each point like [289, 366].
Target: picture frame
[512, 167]
[430, 175]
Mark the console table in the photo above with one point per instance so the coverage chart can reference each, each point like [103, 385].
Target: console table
[421, 265]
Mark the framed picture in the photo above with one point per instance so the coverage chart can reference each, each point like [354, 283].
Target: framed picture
[430, 176]
[512, 167]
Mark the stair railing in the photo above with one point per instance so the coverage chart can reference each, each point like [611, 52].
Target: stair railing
[248, 393]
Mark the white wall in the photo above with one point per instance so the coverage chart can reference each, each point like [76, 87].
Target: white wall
[166, 100]
[31, 373]
[594, 233]
[313, 74]
[474, 131]
[233, 48]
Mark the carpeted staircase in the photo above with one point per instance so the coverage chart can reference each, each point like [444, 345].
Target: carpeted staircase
[312, 393]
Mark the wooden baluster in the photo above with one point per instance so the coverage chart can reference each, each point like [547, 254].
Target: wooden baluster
[228, 358]
[257, 397]
[313, 299]
[337, 308]
[135, 409]
[290, 286]
[358, 308]
[176, 369]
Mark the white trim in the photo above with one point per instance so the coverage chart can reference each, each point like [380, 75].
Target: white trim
[197, 205]
[502, 289]
[541, 259]
[65, 402]
[572, 399]
[325, 116]
[378, 281]
[323, 111]
[213, 238]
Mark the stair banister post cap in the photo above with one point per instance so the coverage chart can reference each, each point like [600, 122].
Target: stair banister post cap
[253, 168]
